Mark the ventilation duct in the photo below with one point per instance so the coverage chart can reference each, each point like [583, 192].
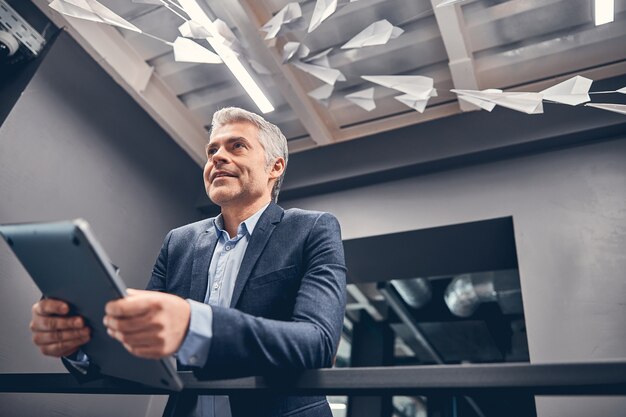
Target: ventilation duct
[416, 292]
[466, 292]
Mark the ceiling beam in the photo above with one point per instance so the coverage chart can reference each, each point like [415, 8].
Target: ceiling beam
[248, 18]
[452, 27]
[119, 59]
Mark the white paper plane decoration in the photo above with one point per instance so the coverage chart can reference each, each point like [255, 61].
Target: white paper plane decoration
[529, 103]
[191, 29]
[288, 14]
[322, 94]
[485, 105]
[572, 92]
[363, 99]
[293, 50]
[322, 11]
[615, 108]
[328, 75]
[378, 33]
[226, 36]
[186, 50]
[417, 86]
[413, 102]
[93, 11]
[320, 58]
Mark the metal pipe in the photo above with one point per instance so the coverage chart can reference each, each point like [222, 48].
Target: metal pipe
[416, 292]
[402, 312]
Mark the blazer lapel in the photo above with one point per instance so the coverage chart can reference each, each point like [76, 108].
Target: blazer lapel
[203, 252]
[260, 236]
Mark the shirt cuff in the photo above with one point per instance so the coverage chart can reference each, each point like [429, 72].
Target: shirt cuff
[79, 361]
[195, 347]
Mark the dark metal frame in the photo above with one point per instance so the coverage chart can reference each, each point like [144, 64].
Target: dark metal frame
[596, 378]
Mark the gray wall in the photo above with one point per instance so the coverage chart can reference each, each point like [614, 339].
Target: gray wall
[569, 214]
[76, 145]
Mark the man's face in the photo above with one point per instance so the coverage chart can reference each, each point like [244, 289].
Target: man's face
[236, 172]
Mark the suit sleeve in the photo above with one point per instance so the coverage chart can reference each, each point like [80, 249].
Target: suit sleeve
[245, 345]
[159, 271]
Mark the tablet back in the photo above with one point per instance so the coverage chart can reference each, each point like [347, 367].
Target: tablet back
[66, 262]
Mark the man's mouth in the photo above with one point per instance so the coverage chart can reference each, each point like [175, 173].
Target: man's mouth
[221, 174]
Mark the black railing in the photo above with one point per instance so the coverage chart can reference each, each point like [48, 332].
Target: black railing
[595, 378]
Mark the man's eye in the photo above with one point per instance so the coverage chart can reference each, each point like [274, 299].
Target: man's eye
[211, 151]
[239, 145]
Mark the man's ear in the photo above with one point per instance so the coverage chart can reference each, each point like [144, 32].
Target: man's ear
[277, 168]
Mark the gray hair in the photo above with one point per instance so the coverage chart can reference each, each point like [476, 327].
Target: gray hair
[272, 139]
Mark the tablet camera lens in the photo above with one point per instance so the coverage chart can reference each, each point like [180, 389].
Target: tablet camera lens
[10, 241]
[75, 241]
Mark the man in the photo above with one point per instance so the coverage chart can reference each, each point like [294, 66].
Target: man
[257, 290]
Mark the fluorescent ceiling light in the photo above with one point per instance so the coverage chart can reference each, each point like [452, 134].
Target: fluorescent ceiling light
[604, 11]
[195, 12]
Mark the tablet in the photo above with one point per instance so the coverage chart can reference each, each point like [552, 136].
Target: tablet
[66, 262]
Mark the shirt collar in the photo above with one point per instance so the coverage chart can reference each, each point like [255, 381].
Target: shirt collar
[247, 225]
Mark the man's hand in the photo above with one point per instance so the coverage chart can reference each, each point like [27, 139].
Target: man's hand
[149, 324]
[54, 332]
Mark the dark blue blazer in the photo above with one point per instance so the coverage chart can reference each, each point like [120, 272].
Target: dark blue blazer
[286, 311]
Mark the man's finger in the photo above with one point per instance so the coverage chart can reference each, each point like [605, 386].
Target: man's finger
[131, 324]
[63, 348]
[128, 306]
[50, 306]
[146, 338]
[49, 323]
[145, 352]
[49, 338]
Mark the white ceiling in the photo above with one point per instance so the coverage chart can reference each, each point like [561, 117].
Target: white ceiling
[521, 44]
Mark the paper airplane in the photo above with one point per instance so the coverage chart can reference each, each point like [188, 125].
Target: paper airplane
[226, 37]
[448, 3]
[416, 103]
[320, 58]
[615, 108]
[93, 11]
[572, 92]
[323, 10]
[293, 50]
[417, 86]
[529, 103]
[485, 105]
[378, 33]
[322, 94]
[363, 99]
[413, 102]
[288, 14]
[186, 50]
[191, 29]
[328, 75]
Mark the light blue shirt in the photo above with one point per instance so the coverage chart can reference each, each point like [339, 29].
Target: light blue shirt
[223, 271]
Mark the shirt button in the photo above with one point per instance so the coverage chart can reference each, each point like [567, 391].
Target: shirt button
[193, 360]
[216, 287]
[227, 247]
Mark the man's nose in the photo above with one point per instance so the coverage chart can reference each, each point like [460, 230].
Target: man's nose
[220, 156]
